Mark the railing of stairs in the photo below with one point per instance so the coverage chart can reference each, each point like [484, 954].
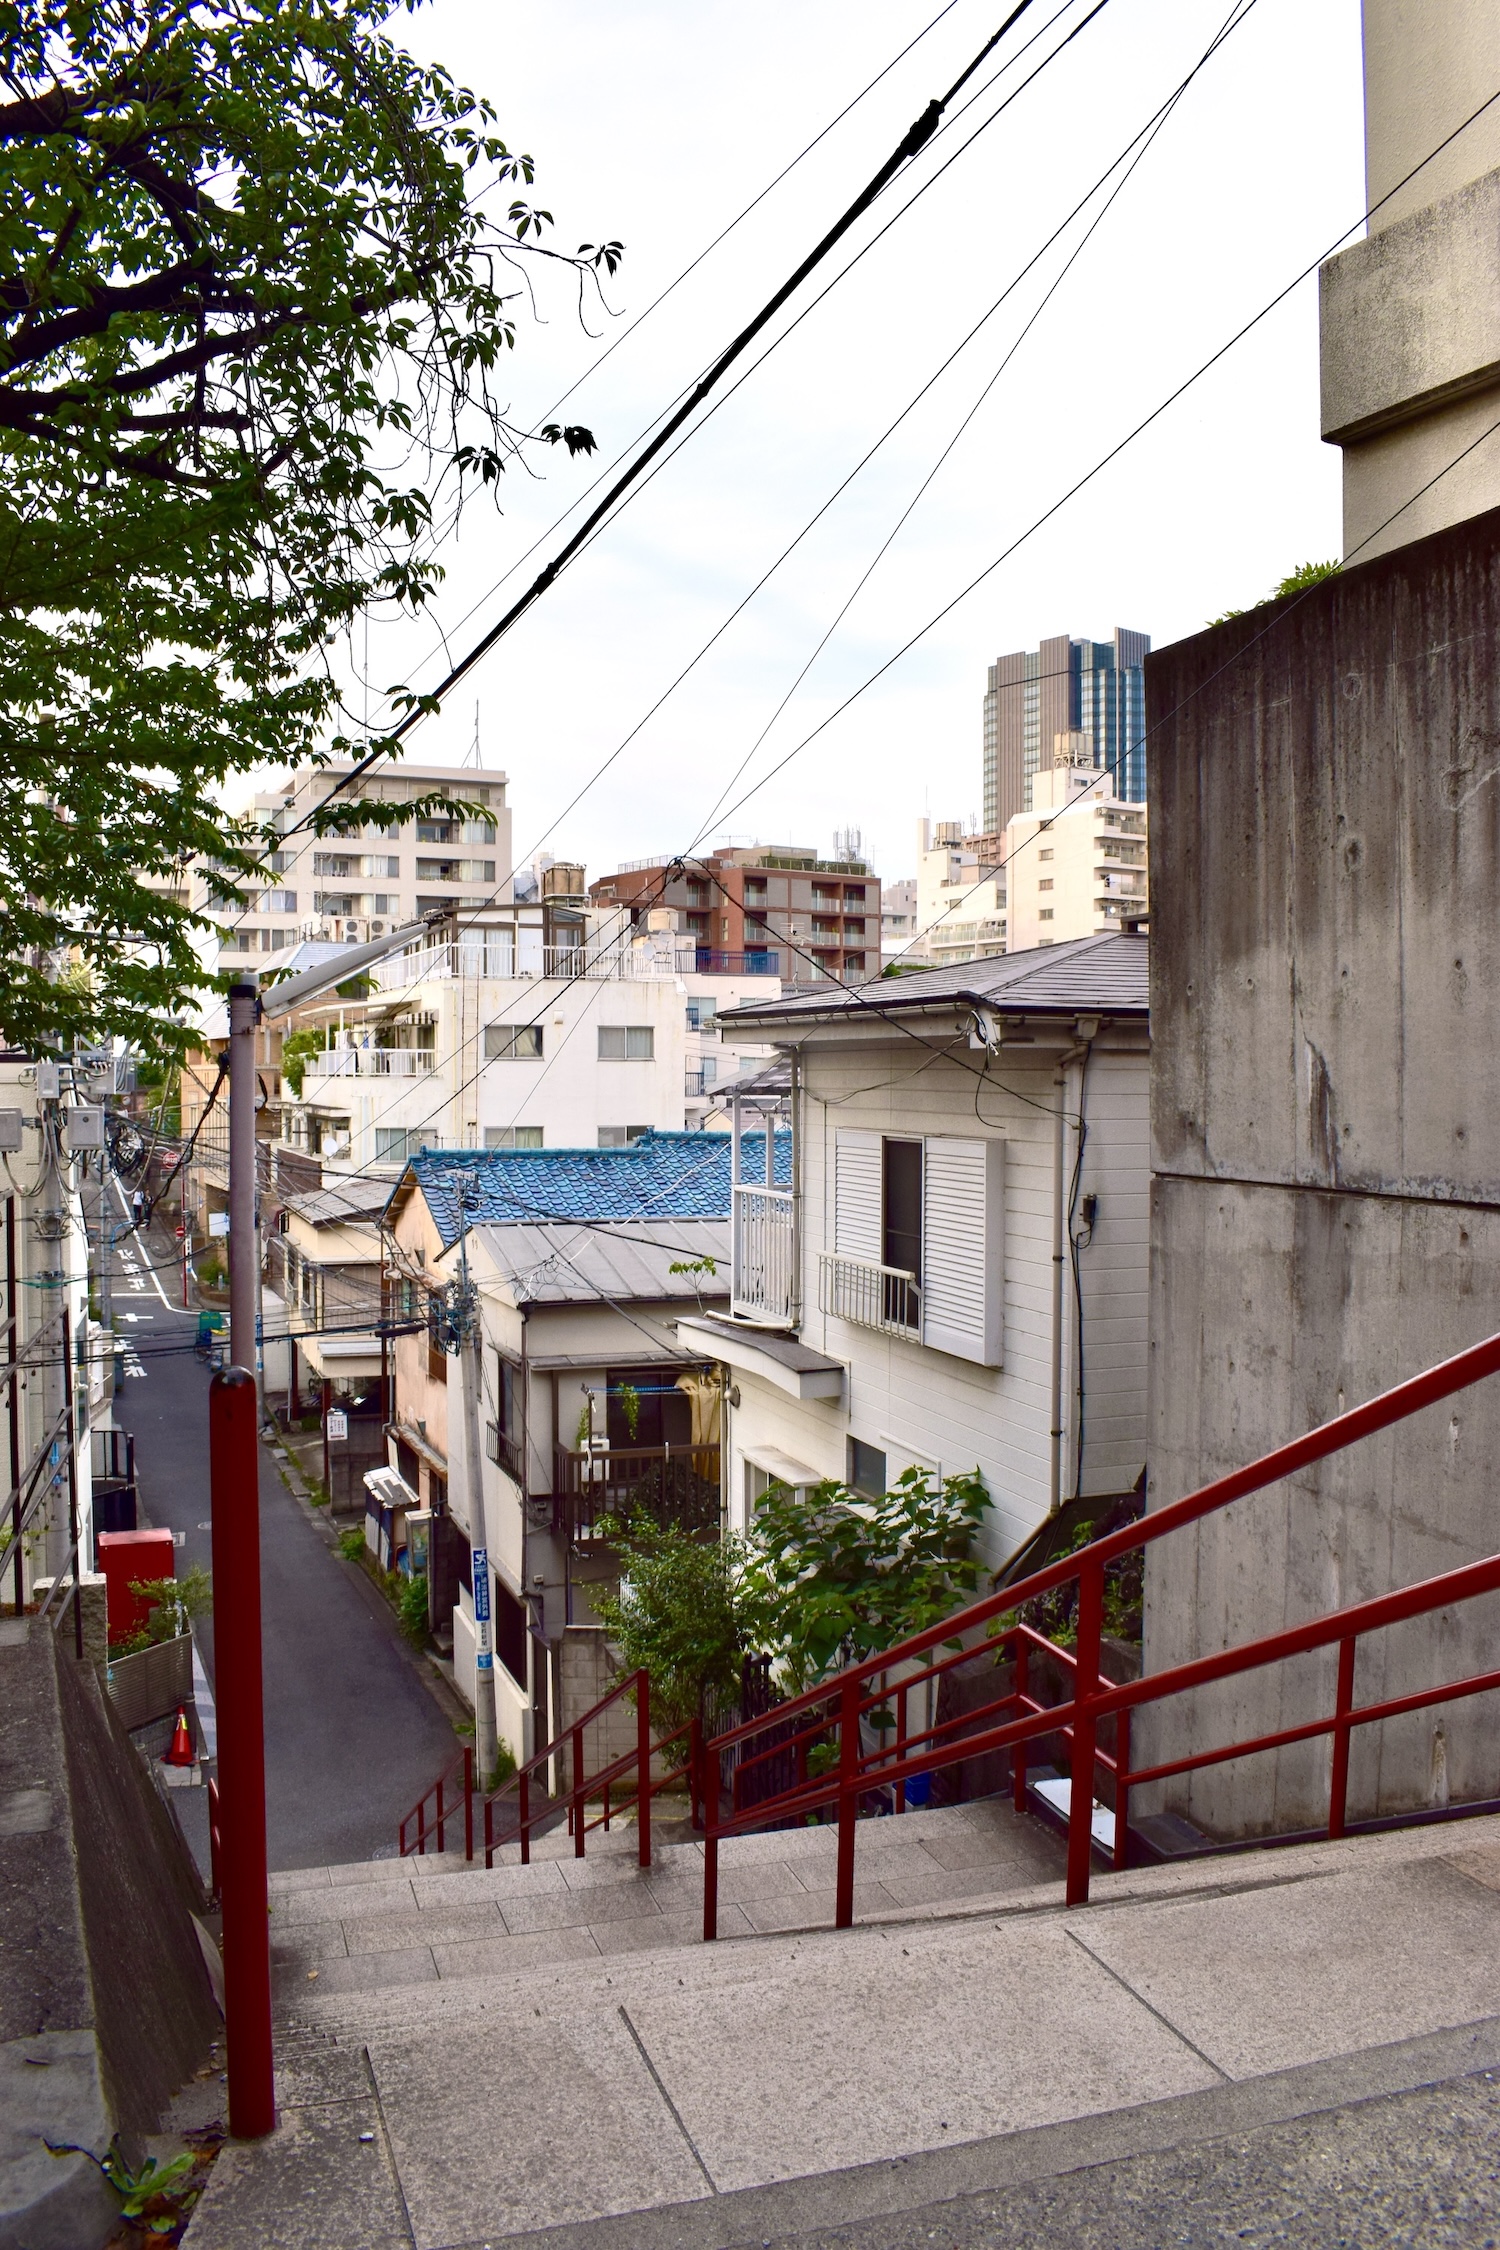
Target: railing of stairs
[816, 1744]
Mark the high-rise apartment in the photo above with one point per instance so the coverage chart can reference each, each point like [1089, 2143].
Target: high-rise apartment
[1076, 865]
[348, 888]
[1066, 686]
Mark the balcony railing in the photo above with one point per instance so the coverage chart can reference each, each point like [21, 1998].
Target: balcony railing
[672, 1484]
[764, 1276]
[754, 961]
[645, 962]
[372, 1062]
[870, 1295]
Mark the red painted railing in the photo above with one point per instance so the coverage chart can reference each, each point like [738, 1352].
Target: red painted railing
[420, 1823]
[620, 1786]
[829, 1717]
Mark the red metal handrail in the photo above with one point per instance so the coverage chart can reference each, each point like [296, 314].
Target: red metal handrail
[442, 1809]
[585, 1786]
[838, 1705]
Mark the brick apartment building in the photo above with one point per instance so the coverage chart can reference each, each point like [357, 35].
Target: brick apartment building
[763, 909]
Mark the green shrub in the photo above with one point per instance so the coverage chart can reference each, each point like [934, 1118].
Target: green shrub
[411, 1603]
[351, 1545]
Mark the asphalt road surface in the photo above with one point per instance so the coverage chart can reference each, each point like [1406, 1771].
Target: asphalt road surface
[352, 1734]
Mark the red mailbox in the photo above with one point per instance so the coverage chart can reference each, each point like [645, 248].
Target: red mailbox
[125, 1556]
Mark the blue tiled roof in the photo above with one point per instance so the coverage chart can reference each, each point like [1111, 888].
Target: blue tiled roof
[660, 1176]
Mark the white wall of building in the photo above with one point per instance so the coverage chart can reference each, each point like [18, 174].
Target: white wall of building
[1078, 863]
[922, 1406]
[961, 907]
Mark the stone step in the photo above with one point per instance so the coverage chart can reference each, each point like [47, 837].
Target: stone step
[387, 1925]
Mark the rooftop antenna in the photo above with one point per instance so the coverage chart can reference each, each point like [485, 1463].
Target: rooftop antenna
[471, 755]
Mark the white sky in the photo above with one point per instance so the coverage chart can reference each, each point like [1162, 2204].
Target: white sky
[655, 121]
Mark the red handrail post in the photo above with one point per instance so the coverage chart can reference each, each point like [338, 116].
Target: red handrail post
[843, 1895]
[643, 1763]
[442, 1825]
[234, 1482]
[901, 1743]
[468, 1804]
[708, 1798]
[1122, 1790]
[1085, 1692]
[213, 1835]
[1343, 1704]
[524, 1793]
[1018, 1759]
[578, 1796]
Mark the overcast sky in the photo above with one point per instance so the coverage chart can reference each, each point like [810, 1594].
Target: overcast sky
[656, 121]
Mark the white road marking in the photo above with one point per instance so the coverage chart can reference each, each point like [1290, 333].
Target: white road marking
[151, 1270]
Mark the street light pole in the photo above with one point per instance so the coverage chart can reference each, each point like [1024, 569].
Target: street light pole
[244, 1258]
[468, 1331]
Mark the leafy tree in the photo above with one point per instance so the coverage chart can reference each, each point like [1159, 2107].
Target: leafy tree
[253, 315]
[841, 1577]
[174, 1603]
[685, 1613]
[297, 1050]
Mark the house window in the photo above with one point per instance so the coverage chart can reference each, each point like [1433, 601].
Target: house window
[933, 1208]
[1045, 914]
[513, 1042]
[1045, 853]
[626, 1042]
[867, 1469]
[394, 1144]
[513, 1136]
[620, 1136]
[279, 902]
[854, 964]
[437, 1363]
[1045, 884]
[700, 1015]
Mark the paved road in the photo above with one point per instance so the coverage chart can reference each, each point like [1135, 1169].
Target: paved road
[352, 1734]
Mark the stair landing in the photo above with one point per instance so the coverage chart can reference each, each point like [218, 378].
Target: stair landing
[387, 1923]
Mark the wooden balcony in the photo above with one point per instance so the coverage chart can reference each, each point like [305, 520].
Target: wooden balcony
[672, 1484]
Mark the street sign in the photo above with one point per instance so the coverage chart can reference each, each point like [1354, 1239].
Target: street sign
[218, 1222]
[338, 1422]
[483, 1656]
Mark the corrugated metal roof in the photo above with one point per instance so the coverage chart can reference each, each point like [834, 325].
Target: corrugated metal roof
[567, 1264]
[341, 1203]
[1107, 974]
[660, 1176]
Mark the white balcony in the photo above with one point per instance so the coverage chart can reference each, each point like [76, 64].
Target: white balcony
[372, 1062]
[498, 956]
[870, 1295]
[764, 1284]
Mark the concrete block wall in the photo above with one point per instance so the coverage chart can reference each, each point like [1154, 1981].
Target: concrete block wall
[1326, 1153]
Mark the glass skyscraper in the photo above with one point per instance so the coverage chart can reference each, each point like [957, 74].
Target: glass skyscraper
[1066, 686]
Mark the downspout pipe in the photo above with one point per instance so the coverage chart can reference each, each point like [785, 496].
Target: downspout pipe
[1065, 1061]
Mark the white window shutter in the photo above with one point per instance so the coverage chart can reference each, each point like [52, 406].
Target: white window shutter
[857, 1192]
[963, 1249]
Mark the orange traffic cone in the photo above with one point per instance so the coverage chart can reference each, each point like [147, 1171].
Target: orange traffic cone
[181, 1751]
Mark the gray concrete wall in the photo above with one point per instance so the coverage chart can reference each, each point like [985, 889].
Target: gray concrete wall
[1326, 1147]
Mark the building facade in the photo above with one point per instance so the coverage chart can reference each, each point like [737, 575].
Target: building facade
[1077, 865]
[350, 889]
[896, 1305]
[766, 910]
[1065, 686]
[961, 894]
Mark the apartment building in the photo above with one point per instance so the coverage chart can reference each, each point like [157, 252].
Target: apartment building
[961, 910]
[349, 889]
[1077, 865]
[545, 1025]
[899, 922]
[764, 909]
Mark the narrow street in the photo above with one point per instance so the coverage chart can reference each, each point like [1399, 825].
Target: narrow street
[352, 1734]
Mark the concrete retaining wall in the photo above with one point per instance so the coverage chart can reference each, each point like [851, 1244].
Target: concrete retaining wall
[1326, 1129]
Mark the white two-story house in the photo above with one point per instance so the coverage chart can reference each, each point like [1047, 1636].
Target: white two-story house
[956, 1274]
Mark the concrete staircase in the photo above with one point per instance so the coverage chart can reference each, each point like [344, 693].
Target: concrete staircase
[468, 2058]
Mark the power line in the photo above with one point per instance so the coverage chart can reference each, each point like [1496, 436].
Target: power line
[916, 138]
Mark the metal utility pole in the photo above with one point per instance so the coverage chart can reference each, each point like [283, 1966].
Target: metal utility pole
[468, 1333]
[244, 1246]
[52, 1225]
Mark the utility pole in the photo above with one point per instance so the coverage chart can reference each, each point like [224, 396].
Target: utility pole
[468, 1333]
[51, 1224]
[244, 1246]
